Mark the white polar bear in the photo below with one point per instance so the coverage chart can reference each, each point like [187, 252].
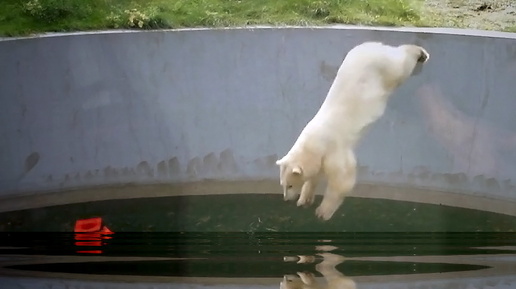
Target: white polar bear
[358, 96]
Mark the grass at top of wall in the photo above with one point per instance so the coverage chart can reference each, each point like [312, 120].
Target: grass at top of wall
[24, 17]
[510, 29]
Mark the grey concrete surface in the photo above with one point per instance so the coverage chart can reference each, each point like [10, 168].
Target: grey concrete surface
[111, 108]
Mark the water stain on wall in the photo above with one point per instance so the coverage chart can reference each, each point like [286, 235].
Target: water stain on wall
[162, 169]
[144, 169]
[31, 161]
[266, 162]
[194, 167]
[211, 164]
[422, 175]
[227, 162]
[328, 72]
[174, 167]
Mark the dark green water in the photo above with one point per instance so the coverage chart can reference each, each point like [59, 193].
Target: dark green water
[184, 242]
[255, 213]
[250, 255]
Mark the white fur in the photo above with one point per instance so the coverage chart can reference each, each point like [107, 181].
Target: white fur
[358, 96]
[306, 280]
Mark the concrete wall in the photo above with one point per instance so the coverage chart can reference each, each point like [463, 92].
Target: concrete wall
[84, 110]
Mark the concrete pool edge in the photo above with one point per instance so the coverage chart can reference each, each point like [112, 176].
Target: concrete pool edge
[440, 30]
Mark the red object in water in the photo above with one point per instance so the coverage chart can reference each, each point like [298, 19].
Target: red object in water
[106, 230]
[88, 225]
[90, 234]
[91, 225]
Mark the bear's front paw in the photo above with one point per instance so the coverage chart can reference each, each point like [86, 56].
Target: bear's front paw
[307, 277]
[325, 211]
[305, 201]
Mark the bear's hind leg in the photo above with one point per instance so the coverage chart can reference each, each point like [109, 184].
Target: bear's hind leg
[341, 173]
[307, 193]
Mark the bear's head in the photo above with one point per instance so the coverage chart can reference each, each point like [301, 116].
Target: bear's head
[291, 178]
[417, 52]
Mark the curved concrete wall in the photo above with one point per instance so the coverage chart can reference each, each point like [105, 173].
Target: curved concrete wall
[113, 108]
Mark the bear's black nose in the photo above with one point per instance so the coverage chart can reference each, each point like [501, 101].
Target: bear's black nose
[422, 57]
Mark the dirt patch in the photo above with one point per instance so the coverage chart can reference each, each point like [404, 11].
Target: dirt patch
[474, 14]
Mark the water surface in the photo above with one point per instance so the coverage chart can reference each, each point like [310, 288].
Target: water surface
[259, 260]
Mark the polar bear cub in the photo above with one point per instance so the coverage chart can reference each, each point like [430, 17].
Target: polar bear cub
[357, 97]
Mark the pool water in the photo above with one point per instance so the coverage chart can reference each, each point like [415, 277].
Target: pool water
[253, 213]
[258, 260]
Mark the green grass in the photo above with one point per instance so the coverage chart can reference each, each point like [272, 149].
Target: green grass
[510, 29]
[23, 17]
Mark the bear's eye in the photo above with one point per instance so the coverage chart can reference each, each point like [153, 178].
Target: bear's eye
[289, 187]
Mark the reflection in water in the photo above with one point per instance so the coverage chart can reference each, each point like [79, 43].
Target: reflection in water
[260, 260]
[334, 279]
[90, 233]
[477, 147]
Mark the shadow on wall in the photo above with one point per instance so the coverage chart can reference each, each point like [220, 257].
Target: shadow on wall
[476, 146]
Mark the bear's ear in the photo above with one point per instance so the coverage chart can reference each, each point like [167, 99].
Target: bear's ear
[280, 161]
[297, 170]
